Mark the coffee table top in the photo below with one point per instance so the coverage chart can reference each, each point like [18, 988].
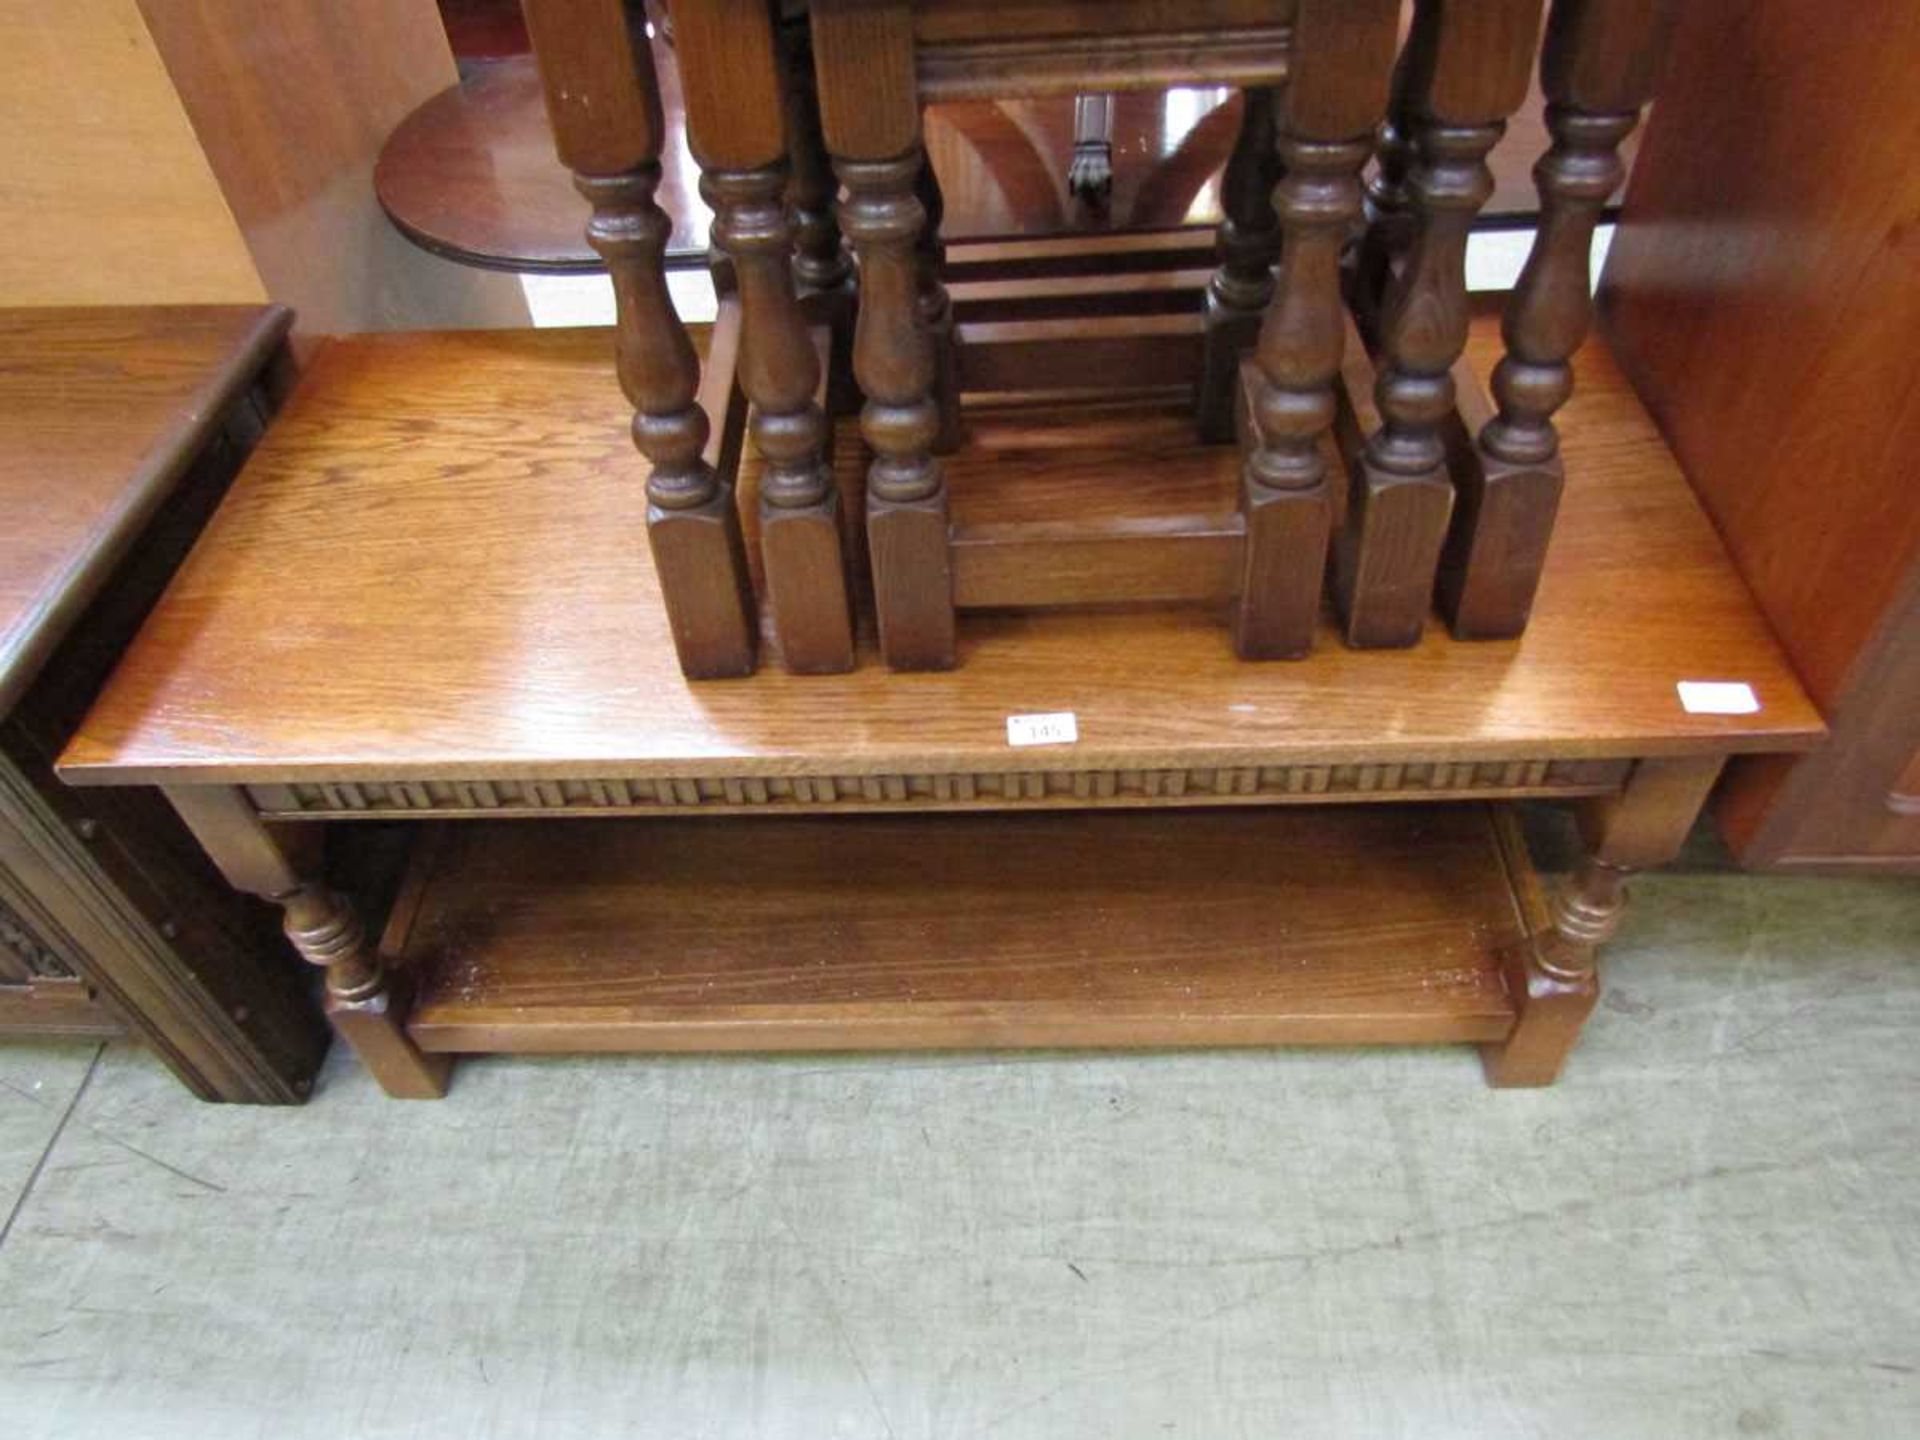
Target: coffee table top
[435, 566]
[104, 408]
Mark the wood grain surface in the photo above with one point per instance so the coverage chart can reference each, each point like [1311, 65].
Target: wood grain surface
[104, 408]
[1339, 927]
[434, 566]
[1764, 289]
[471, 175]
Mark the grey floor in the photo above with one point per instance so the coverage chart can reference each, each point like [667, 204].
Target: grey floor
[1709, 1228]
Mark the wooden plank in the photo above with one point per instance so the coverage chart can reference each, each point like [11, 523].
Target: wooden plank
[1037, 520]
[56, 1010]
[1369, 925]
[494, 471]
[988, 69]
[1098, 352]
[1191, 560]
[1097, 254]
[1134, 293]
[1061, 787]
[953, 20]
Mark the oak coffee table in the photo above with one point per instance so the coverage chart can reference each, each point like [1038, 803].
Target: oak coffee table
[428, 598]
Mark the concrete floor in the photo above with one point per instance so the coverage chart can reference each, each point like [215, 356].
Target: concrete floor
[1711, 1227]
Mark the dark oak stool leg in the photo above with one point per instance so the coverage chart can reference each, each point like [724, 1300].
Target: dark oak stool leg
[366, 1006]
[1248, 243]
[872, 119]
[607, 127]
[822, 267]
[1465, 72]
[820, 261]
[893, 359]
[1552, 974]
[936, 309]
[1597, 69]
[730, 78]
[1343, 56]
[1389, 206]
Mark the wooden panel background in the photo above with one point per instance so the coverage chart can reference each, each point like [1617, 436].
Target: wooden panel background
[107, 196]
[1762, 293]
[292, 102]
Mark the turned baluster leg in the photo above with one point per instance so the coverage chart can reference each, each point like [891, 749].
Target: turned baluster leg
[607, 127]
[820, 261]
[864, 52]
[1343, 54]
[822, 268]
[1389, 207]
[730, 78]
[936, 310]
[366, 1005]
[893, 359]
[1249, 243]
[1465, 72]
[1597, 69]
[1551, 974]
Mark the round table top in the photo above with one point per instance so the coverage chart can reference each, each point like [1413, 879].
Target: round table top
[472, 175]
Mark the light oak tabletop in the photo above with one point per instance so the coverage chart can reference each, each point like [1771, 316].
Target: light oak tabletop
[436, 566]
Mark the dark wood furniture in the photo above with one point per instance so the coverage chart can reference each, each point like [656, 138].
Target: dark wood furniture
[123, 428]
[1764, 292]
[823, 856]
[476, 637]
[1350, 454]
[471, 174]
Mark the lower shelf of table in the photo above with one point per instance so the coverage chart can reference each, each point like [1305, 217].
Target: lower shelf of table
[1363, 925]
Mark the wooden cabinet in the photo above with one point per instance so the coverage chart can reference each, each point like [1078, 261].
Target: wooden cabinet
[123, 430]
[1763, 291]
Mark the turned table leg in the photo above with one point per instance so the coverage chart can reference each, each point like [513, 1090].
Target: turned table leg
[1248, 243]
[871, 113]
[936, 310]
[736, 127]
[1464, 72]
[1552, 974]
[1344, 54]
[820, 260]
[1597, 69]
[607, 129]
[365, 1004]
